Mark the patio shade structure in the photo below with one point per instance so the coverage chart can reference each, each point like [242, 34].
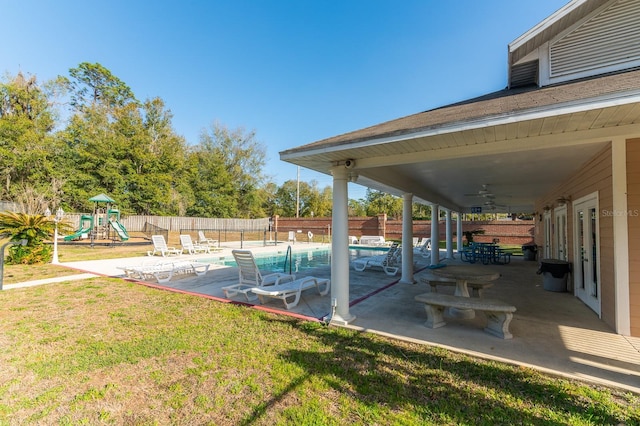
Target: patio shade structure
[560, 142]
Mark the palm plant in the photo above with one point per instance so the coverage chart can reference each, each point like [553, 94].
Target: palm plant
[35, 228]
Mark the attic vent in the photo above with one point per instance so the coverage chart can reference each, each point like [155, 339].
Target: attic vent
[606, 40]
[524, 74]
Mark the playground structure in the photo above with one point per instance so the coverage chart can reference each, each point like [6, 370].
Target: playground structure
[103, 224]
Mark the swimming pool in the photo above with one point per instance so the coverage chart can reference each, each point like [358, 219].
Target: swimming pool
[300, 259]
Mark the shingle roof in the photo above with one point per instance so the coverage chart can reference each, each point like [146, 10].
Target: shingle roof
[501, 103]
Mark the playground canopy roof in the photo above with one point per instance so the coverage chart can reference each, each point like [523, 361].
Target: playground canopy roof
[101, 198]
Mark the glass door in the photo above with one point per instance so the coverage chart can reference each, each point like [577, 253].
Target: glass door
[560, 236]
[585, 271]
[547, 235]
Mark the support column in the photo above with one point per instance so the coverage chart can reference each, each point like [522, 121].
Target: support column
[340, 248]
[407, 239]
[435, 234]
[449, 233]
[459, 231]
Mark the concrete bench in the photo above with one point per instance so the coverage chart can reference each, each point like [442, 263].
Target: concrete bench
[499, 314]
[434, 281]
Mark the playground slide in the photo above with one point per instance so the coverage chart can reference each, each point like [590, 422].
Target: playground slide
[120, 229]
[77, 234]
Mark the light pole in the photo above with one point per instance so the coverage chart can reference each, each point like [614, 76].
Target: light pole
[56, 219]
[10, 243]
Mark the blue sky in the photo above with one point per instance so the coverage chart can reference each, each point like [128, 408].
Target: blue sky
[293, 71]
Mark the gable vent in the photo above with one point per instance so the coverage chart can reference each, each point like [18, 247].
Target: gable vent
[610, 40]
[524, 74]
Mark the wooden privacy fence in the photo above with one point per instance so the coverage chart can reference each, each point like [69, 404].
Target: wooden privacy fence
[317, 229]
[134, 223]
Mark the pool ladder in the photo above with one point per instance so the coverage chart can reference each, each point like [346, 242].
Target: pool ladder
[288, 258]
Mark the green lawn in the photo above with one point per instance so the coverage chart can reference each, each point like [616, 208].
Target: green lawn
[106, 351]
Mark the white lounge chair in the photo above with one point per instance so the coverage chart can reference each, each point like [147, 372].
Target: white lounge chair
[160, 247]
[424, 248]
[204, 241]
[372, 240]
[164, 271]
[389, 262]
[190, 247]
[250, 277]
[292, 290]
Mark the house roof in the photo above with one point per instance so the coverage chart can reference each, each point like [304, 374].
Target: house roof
[503, 103]
[548, 132]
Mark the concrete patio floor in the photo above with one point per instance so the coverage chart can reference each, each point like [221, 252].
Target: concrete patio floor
[553, 332]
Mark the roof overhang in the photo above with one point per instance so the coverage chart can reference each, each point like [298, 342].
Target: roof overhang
[521, 155]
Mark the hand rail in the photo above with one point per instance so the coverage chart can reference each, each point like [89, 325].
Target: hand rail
[288, 257]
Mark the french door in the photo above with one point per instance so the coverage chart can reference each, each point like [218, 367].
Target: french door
[560, 235]
[546, 250]
[586, 273]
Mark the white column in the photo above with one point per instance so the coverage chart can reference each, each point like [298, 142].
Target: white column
[459, 231]
[449, 233]
[435, 232]
[407, 239]
[340, 248]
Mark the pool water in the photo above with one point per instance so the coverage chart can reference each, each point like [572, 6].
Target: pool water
[300, 259]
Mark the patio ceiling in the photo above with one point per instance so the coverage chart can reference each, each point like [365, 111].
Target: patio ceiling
[515, 143]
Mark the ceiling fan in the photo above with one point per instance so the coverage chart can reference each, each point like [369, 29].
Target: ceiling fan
[484, 192]
[491, 205]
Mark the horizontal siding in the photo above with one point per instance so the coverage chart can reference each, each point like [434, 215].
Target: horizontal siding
[633, 220]
[593, 176]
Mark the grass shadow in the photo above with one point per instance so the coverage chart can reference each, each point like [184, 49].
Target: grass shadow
[437, 385]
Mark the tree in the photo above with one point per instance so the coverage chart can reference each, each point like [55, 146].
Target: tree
[380, 202]
[26, 142]
[93, 84]
[238, 158]
[357, 208]
[117, 145]
[212, 185]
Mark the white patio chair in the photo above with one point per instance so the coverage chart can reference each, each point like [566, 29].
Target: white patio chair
[424, 248]
[163, 272]
[204, 241]
[250, 277]
[292, 290]
[389, 262]
[190, 247]
[160, 247]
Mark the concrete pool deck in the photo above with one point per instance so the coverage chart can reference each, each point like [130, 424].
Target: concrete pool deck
[553, 332]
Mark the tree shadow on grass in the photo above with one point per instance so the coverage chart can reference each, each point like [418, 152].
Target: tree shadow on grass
[436, 385]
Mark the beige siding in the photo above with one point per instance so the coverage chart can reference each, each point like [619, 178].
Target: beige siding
[633, 205]
[594, 176]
